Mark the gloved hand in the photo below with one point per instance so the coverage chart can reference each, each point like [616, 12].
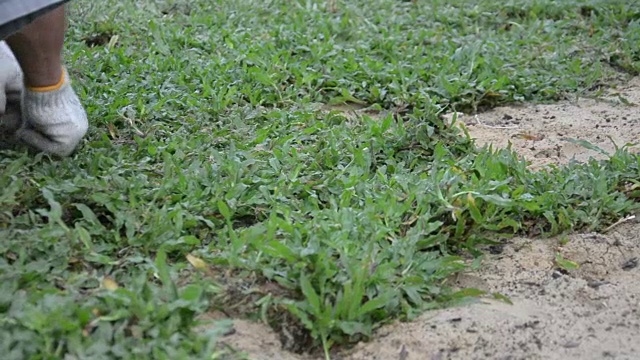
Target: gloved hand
[10, 93]
[53, 119]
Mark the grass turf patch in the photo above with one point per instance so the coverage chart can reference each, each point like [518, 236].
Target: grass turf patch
[213, 178]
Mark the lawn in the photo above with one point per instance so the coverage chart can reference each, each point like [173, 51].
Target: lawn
[221, 175]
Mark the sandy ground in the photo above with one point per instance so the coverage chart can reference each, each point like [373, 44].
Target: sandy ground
[541, 133]
[592, 312]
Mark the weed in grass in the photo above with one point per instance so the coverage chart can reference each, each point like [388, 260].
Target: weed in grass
[208, 146]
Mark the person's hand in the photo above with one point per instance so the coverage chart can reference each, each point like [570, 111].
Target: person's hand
[53, 119]
[10, 83]
[10, 93]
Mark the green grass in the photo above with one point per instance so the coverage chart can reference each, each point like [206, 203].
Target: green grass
[208, 141]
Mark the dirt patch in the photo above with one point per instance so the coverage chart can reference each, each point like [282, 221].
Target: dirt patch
[252, 339]
[592, 312]
[542, 133]
[589, 313]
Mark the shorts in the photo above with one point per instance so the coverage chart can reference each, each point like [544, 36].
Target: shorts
[15, 14]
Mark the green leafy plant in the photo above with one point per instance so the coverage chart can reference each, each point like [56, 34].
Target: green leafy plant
[225, 168]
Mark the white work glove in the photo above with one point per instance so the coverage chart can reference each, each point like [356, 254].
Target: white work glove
[10, 93]
[53, 119]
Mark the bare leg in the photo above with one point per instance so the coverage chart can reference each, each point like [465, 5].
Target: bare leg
[38, 48]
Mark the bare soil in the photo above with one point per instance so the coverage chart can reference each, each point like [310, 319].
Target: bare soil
[542, 133]
[592, 312]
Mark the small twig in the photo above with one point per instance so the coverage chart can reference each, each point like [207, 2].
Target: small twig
[491, 126]
[621, 221]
